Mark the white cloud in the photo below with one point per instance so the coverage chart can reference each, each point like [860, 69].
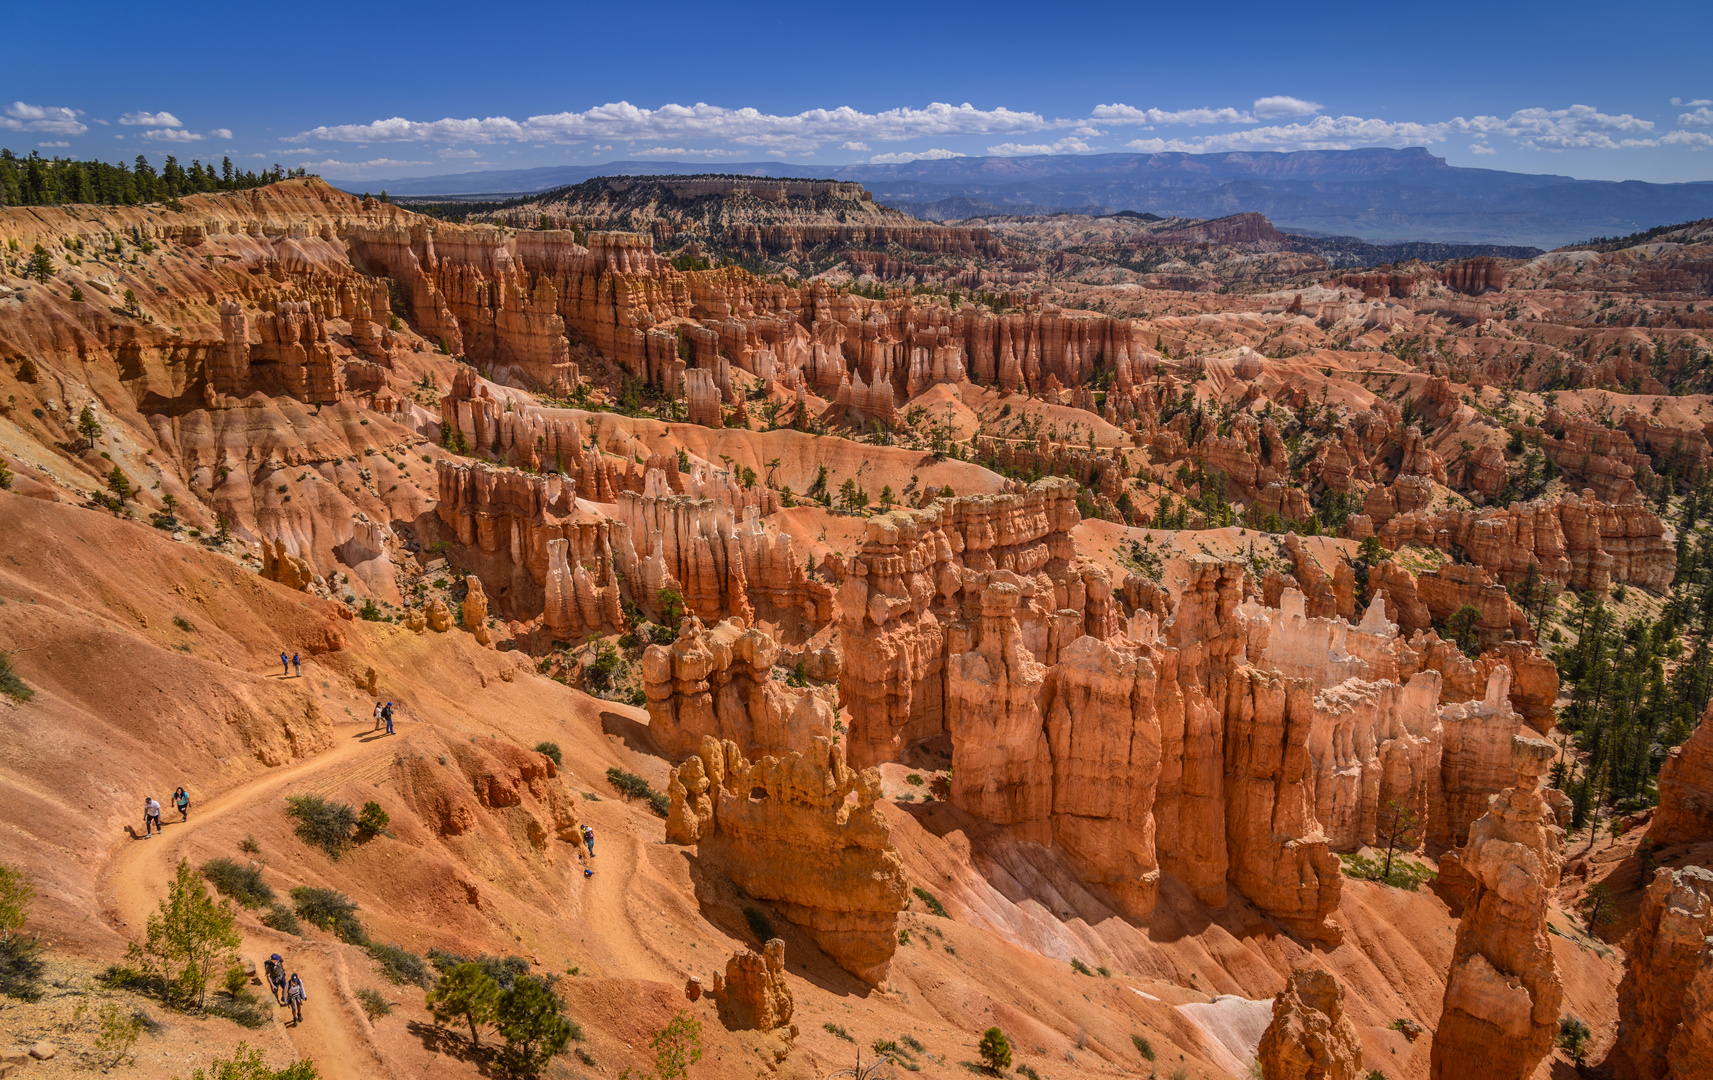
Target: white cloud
[856, 146]
[1273, 108]
[1687, 138]
[43, 119]
[1477, 148]
[1578, 127]
[447, 153]
[151, 119]
[1321, 133]
[1702, 117]
[746, 126]
[53, 145]
[220, 133]
[173, 135]
[1063, 146]
[681, 151]
[1126, 114]
[905, 156]
[1692, 104]
[346, 168]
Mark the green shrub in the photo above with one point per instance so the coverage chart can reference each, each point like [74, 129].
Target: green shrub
[401, 966]
[931, 902]
[837, 1031]
[282, 918]
[551, 749]
[1143, 1047]
[631, 786]
[373, 820]
[323, 824]
[242, 883]
[1080, 968]
[10, 685]
[912, 1042]
[374, 1005]
[331, 910]
[995, 1049]
[1405, 873]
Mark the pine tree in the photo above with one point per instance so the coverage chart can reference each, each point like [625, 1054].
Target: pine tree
[119, 485]
[88, 426]
[188, 938]
[465, 993]
[41, 265]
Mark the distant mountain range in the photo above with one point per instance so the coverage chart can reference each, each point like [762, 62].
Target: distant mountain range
[1380, 195]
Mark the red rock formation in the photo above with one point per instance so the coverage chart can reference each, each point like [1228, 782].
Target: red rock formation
[753, 994]
[827, 865]
[1477, 760]
[1669, 973]
[719, 682]
[1502, 995]
[1279, 858]
[1311, 1037]
[1002, 769]
[1685, 813]
[1474, 276]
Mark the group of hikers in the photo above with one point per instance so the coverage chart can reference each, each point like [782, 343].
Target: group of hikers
[152, 811]
[383, 715]
[286, 991]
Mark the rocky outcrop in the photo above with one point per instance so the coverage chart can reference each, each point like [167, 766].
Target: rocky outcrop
[752, 994]
[1311, 1037]
[279, 564]
[1685, 813]
[719, 682]
[782, 830]
[1583, 543]
[1664, 1027]
[1477, 761]
[1502, 995]
[1001, 764]
[475, 611]
[1279, 857]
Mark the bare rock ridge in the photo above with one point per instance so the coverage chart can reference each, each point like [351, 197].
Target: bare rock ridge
[1502, 996]
[1685, 813]
[781, 830]
[1311, 1036]
[1665, 1002]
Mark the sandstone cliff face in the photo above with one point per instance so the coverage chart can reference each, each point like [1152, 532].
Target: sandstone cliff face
[1001, 765]
[1685, 813]
[719, 682]
[1478, 760]
[781, 829]
[1583, 543]
[753, 994]
[1311, 1037]
[1502, 996]
[1669, 981]
[1279, 857]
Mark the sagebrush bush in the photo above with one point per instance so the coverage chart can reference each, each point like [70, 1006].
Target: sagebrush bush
[374, 1005]
[240, 881]
[322, 823]
[331, 910]
[551, 749]
[401, 966]
[283, 919]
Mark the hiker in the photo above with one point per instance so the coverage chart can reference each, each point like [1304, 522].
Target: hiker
[387, 715]
[377, 726]
[589, 839]
[181, 802]
[151, 816]
[285, 662]
[297, 663]
[274, 968]
[295, 997]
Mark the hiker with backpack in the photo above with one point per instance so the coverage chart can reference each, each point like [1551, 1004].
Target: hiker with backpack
[297, 662]
[295, 997]
[285, 663]
[151, 816]
[387, 715]
[181, 803]
[274, 968]
[589, 839]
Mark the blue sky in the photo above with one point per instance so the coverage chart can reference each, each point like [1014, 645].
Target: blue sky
[361, 91]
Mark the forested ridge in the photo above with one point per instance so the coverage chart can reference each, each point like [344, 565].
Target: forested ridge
[38, 181]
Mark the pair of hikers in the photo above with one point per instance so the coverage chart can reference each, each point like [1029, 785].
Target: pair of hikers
[286, 991]
[152, 811]
[289, 662]
[384, 714]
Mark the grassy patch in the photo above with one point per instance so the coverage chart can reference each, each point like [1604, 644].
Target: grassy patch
[1406, 873]
[931, 902]
[10, 684]
[374, 1005]
[241, 882]
[632, 786]
[837, 1031]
